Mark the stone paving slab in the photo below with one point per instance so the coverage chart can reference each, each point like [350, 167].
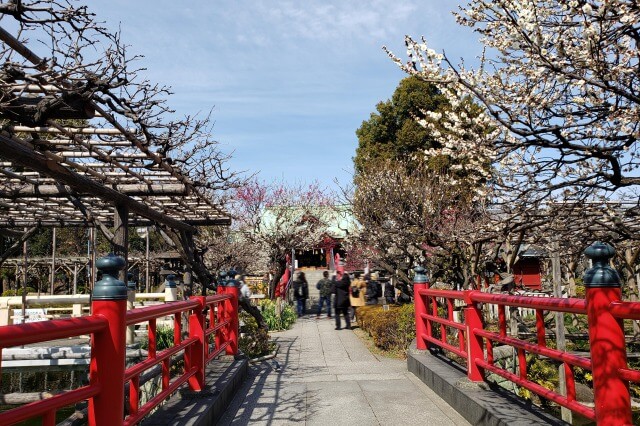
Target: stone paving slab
[224, 377]
[323, 376]
[481, 405]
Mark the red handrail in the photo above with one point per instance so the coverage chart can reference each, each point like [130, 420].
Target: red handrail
[626, 310]
[101, 326]
[42, 331]
[39, 408]
[139, 315]
[575, 306]
[478, 361]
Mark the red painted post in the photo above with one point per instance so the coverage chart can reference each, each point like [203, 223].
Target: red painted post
[420, 282]
[231, 306]
[221, 334]
[475, 350]
[109, 300]
[134, 395]
[606, 337]
[195, 356]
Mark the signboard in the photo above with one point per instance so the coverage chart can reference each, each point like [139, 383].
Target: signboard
[33, 315]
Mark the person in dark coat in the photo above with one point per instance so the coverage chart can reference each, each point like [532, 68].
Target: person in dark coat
[373, 289]
[389, 293]
[325, 286]
[301, 293]
[342, 300]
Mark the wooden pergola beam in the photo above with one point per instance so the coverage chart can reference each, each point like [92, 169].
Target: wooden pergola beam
[20, 154]
[11, 233]
[45, 191]
[18, 223]
[17, 244]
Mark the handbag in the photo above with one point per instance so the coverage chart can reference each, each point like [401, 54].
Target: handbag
[355, 291]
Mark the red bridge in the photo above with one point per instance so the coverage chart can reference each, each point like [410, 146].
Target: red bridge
[213, 330]
[605, 312]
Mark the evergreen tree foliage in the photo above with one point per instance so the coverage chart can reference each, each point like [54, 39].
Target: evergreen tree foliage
[393, 132]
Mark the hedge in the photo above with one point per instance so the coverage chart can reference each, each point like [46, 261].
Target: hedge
[391, 330]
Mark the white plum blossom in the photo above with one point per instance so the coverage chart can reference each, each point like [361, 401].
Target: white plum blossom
[560, 83]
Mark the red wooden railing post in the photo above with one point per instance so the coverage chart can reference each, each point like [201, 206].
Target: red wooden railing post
[221, 334]
[231, 306]
[606, 337]
[420, 282]
[475, 347]
[109, 300]
[195, 356]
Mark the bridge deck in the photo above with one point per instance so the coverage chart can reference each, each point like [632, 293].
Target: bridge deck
[328, 377]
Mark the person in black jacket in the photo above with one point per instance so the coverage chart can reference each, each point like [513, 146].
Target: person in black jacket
[374, 289]
[301, 293]
[389, 293]
[342, 300]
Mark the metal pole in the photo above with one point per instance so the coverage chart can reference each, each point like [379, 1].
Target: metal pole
[24, 278]
[53, 263]
[131, 298]
[75, 278]
[88, 265]
[121, 237]
[93, 258]
[567, 415]
[146, 273]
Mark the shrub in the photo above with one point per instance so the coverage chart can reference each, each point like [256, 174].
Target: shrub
[164, 338]
[253, 342]
[8, 293]
[391, 330]
[542, 372]
[286, 319]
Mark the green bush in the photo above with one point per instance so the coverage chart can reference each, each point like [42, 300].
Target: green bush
[391, 330]
[286, 319]
[9, 293]
[164, 338]
[253, 342]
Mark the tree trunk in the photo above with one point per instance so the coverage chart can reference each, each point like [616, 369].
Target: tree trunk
[254, 312]
[280, 268]
[193, 258]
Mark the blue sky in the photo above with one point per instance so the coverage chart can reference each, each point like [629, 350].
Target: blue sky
[288, 82]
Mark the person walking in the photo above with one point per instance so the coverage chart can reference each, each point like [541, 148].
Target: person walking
[341, 303]
[324, 285]
[245, 291]
[374, 290]
[301, 293]
[357, 293]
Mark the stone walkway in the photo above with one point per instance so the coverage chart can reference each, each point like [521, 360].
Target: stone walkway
[328, 377]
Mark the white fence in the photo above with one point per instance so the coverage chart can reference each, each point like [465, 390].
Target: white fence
[48, 307]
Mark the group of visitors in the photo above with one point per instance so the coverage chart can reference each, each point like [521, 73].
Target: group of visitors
[347, 295]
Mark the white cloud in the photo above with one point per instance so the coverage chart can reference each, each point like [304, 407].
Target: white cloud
[286, 77]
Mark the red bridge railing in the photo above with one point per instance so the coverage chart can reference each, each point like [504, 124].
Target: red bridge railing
[605, 312]
[212, 329]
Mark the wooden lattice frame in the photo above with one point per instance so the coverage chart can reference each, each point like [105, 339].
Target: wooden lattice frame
[53, 173]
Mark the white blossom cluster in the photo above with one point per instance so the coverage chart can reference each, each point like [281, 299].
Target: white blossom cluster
[559, 84]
